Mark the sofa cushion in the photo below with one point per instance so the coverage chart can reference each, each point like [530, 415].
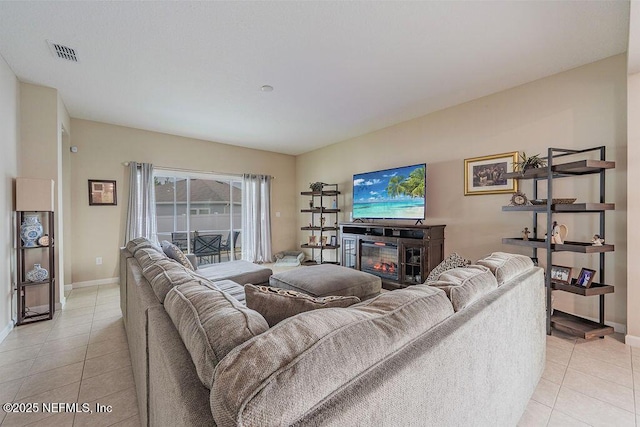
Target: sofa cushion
[211, 323]
[506, 266]
[277, 304]
[260, 381]
[174, 252]
[147, 256]
[452, 261]
[241, 272]
[464, 285]
[164, 274]
[141, 243]
[232, 288]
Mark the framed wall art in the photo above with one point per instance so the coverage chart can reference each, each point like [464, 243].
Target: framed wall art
[102, 192]
[485, 175]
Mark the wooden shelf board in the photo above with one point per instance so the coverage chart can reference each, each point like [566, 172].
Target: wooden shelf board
[319, 228]
[594, 289]
[319, 247]
[320, 193]
[320, 210]
[572, 208]
[580, 167]
[581, 247]
[578, 326]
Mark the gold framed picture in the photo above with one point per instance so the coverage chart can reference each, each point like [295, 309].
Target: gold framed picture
[102, 192]
[486, 174]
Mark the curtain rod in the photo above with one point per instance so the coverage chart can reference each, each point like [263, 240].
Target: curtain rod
[192, 170]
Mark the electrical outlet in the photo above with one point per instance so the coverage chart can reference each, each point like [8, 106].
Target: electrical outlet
[99, 260]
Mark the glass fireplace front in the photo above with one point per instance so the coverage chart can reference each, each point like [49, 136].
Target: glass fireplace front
[380, 258]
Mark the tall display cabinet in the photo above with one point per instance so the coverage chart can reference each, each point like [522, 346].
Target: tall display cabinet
[32, 261]
[35, 250]
[561, 165]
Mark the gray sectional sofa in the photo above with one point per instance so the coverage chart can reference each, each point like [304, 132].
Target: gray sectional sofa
[406, 357]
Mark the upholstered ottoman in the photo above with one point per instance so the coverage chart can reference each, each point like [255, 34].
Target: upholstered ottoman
[328, 279]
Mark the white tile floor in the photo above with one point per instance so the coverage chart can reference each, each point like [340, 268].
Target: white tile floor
[587, 383]
[80, 356]
[83, 356]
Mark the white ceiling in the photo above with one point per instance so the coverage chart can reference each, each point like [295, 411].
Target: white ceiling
[339, 69]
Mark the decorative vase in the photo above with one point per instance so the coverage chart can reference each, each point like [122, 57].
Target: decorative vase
[30, 230]
[38, 274]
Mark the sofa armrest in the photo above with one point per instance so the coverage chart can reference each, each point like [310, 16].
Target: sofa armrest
[176, 395]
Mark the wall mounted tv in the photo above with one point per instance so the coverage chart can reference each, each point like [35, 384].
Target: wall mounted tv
[398, 193]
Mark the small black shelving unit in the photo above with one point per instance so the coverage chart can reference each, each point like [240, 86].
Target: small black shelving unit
[558, 168]
[39, 253]
[322, 204]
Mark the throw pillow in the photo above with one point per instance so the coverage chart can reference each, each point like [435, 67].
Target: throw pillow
[452, 261]
[174, 252]
[277, 304]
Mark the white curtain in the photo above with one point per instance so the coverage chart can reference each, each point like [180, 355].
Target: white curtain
[256, 218]
[141, 214]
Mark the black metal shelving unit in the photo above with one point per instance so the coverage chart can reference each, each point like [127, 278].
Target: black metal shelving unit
[47, 252]
[555, 169]
[316, 227]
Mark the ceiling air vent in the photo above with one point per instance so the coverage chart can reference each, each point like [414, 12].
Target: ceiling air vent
[63, 52]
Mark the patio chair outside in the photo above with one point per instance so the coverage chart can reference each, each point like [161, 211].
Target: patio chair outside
[226, 247]
[207, 246]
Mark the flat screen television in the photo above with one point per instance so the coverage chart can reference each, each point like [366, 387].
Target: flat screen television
[398, 193]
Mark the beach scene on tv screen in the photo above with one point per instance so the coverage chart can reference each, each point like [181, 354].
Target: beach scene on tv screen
[393, 193]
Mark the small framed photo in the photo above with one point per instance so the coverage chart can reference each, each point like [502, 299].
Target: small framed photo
[313, 241]
[561, 274]
[586, 277]
[102, 193]
[333, 241]
[486, 174]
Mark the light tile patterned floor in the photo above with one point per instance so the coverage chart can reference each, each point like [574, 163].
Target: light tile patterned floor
[80, 356]
[587, 383]
[83, 356]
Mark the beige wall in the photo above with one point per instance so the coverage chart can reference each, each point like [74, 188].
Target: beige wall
[98, 231]
[580, 108]
[39, 153]
[633, 211]
[9, 137]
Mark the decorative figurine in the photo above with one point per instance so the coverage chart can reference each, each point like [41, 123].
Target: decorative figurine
[558, 233]
[322, 220]
[311, 204]
[525, 233]
[597, 240]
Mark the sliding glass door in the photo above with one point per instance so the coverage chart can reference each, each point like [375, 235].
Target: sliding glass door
[200, 213]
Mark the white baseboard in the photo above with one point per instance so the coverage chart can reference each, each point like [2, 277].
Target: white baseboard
[632, 340]
[5, 332]
[97, 282]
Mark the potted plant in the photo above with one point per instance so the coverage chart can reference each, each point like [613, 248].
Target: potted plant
[531, 162]
[316, 186]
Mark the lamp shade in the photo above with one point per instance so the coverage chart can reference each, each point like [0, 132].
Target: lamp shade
[33, 194]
